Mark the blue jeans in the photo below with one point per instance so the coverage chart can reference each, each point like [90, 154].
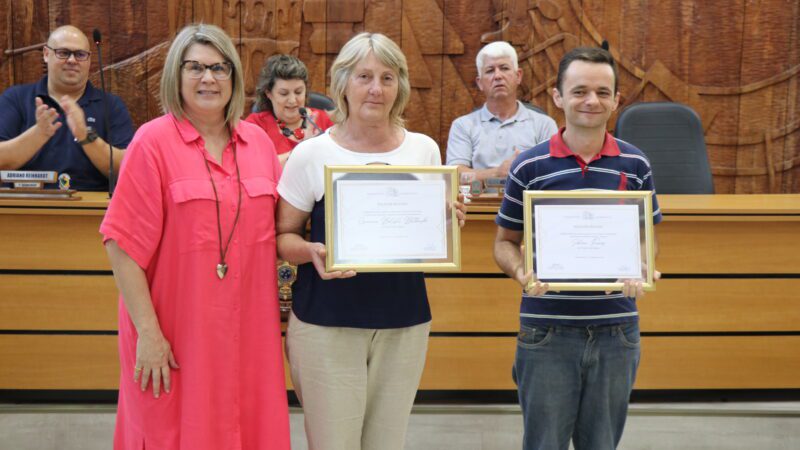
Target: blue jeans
[575, 382]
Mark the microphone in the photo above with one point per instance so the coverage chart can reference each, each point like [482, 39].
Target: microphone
[305, 115]
[98, 39]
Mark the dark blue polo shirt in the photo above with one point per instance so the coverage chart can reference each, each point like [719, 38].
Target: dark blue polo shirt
[61, 153]
[551, 165]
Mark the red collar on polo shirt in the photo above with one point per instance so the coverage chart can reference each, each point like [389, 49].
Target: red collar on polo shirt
[559, 149]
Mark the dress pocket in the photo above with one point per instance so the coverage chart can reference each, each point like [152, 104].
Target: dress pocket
[193, 212]
[258, 209]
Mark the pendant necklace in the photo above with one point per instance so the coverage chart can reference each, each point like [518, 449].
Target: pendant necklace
[222, 266]
[299, 133]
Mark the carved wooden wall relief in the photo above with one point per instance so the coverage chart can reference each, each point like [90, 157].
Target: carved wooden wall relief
[735, 62]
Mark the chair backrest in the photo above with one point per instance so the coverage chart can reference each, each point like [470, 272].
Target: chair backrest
[314, 100]
[320, 101]
[671, 135]
[534, 108]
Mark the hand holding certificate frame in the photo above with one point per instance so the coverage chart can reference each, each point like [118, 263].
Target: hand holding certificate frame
[589, 240]
[391, 219]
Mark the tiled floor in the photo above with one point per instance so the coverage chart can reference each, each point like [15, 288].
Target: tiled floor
[693, 426]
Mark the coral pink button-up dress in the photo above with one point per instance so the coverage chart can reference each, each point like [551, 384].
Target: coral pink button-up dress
[229, 392]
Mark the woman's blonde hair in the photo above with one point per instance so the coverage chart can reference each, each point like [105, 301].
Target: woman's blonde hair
[353, 52]
[205, 34]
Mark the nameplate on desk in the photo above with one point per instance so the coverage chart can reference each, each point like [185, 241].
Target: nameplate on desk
[27, 185]
[39, 194]
[37, 176]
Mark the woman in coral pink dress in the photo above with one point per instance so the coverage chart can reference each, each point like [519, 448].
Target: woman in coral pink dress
[191, 238]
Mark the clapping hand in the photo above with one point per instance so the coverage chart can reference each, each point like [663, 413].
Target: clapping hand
[46, 119]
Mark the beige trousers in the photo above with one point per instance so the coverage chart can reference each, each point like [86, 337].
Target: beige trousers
[356, 385]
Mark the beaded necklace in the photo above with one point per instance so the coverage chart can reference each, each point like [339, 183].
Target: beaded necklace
[299, 133]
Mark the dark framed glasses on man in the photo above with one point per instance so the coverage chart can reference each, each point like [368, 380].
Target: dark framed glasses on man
[65, 53]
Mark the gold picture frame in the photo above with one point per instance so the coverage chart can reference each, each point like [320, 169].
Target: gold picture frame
[580, 208]
[366, 232]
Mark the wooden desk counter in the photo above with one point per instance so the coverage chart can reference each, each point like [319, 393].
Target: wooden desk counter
[725, 316]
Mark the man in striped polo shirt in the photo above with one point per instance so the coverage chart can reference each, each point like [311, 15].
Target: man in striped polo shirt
[577, 352]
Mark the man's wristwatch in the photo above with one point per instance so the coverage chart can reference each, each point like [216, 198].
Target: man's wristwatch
[91, 135]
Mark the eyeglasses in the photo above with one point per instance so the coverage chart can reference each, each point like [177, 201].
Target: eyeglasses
[65, 53]
[220, 71]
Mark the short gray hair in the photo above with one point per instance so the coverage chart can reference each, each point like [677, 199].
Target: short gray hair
[205, 34]
[278, 67]
[353, 52]
[496, 49]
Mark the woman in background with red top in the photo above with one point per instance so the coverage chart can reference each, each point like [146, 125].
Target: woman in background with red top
[281, 105]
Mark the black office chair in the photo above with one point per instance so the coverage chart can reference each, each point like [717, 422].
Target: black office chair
[671, 135]
[320, 101]
[314, 100]
[534, 108]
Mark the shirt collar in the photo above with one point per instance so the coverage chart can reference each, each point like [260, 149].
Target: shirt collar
[189, 133]
[486, 115]
[41, 86]
[89, 94]
[559, 148]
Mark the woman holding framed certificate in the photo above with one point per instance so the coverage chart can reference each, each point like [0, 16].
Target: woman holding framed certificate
[356, 343]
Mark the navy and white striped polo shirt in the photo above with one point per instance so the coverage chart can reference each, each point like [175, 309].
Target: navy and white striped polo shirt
[551, 165]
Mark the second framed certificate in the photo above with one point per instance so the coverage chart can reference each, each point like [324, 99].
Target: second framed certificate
[589, 240]
[391, 219]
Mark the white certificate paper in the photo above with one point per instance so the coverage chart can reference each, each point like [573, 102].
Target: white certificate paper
[587, 241]
[390, 220]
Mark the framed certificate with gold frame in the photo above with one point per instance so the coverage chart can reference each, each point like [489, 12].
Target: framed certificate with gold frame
[381, 218]
[589, 240]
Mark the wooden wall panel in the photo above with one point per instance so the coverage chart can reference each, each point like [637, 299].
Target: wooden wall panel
[735, 62]
[477, 242]
[686, 246]
[762, 57]
[628, 37]
[730, 362]
[91, 362]
[733, 362]
[716, 61]
[678, 305]
[30, 243]
[468, 20]
[722, 305]
[58, 302]
[317, 67]
[29, 19]
[708, 247]
[268, 27]
[127, 40]
[6, 68]
[73, 362]
[469, 363]
[159, 25]
[791, 148]
[51, 302]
